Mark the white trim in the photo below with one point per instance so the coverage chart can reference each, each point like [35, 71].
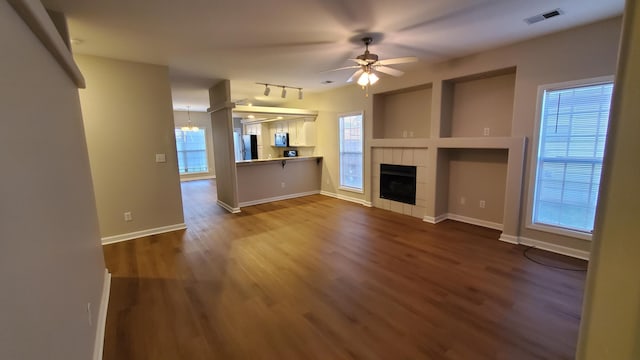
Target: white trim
[474, 221]
[189, 178]
[362, 149]
[534, 162]
[141, 233]
[434, 220]
[278, 198]
[347, 198]
[227, 207]
[508, 238]
[351, 189]
[559, 249]
[98, 346]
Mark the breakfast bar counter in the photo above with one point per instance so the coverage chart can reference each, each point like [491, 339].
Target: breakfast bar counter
[266, 180]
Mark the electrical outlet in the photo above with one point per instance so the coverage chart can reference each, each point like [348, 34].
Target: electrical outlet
[463, 200]
[128, 216]
[160, 158]
[482, 204]
[486, 131]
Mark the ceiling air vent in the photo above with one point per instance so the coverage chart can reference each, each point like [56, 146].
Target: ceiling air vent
[537, 18]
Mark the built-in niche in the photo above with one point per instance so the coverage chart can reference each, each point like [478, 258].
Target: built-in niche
[404, 113]
[478, 105]
[472, 185]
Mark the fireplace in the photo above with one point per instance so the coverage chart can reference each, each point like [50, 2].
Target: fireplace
[398, 183]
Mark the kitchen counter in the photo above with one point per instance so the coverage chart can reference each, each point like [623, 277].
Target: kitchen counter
[278, 159]
[266, 180]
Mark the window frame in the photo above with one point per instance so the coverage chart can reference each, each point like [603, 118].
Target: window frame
[533, 167]
[206, 153]
[341, 186]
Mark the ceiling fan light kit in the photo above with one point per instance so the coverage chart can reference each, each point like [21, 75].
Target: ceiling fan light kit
[368, 64]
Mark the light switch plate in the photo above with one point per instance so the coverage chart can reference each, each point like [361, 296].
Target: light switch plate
[160, 158]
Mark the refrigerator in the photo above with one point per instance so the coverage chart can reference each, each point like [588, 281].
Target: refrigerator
[246, 146]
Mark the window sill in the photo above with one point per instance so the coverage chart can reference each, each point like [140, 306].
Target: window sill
[350, 189]
[560, 231]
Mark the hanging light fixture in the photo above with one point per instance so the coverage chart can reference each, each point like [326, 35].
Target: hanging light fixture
[284, 92]
[368, 77]
[300, 95]
[267, 89]
[189, 126]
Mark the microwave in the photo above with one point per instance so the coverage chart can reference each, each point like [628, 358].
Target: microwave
[290, 153]
[281, 140]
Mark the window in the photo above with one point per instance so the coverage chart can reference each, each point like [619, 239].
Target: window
[351, 144]
[192, 151]
[573, 128]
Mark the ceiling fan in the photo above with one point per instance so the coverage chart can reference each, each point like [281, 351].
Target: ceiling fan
[369, 64]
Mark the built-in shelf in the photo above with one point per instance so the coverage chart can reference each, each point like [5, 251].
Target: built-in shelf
[404, 113]
[478, 105]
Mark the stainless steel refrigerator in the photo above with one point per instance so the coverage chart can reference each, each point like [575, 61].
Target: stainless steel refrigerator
[246, 146]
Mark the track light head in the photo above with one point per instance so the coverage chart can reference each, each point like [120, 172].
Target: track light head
[267, 90]
[300, 95]
[284, 92]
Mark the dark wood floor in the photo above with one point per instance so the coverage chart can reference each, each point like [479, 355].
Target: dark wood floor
[321, 278]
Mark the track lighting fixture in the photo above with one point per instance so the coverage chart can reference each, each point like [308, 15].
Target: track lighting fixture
[283, 94]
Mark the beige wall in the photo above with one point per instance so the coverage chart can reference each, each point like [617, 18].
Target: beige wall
[611, 317]
[51, 263]
[129, 119]
[555, 58]
[477, 175]
[203, 121]
[329, 105]
[403, 114]
[482, 103]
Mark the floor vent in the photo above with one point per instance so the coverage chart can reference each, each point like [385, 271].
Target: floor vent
[545, 16]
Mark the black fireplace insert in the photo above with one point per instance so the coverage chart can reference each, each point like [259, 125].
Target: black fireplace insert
[398, 183]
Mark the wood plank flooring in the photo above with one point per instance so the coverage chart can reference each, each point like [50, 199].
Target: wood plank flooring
[321, 278]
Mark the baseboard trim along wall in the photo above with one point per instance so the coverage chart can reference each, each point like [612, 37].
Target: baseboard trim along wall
[464, 219]
[347, 198]
[227, 207]
[278, 198]
[138, 234]
[203, 177]
[558, 249]
[101, 324]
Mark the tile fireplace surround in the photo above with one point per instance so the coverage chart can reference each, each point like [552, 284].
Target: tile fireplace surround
[401, 156]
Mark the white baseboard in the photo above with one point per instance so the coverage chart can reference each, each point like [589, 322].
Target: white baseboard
[139, 234]
[559, 249]
[228, 207]
[203, 177]
[464, 219]
[434, 220]
[347, 198]
[278, 198]
[98, 346]
[508, 238]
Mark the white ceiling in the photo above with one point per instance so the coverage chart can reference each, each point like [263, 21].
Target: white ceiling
[291, 42]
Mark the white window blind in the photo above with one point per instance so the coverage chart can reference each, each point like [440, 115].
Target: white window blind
[351, 144]
[192, 151]
[573, 130]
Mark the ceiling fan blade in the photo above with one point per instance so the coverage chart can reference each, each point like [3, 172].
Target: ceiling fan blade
[389, 71]
[360, 61]
[355, 75]
[342, 68]
[400, 60]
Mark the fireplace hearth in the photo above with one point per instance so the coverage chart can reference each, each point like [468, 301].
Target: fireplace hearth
[398, 183]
